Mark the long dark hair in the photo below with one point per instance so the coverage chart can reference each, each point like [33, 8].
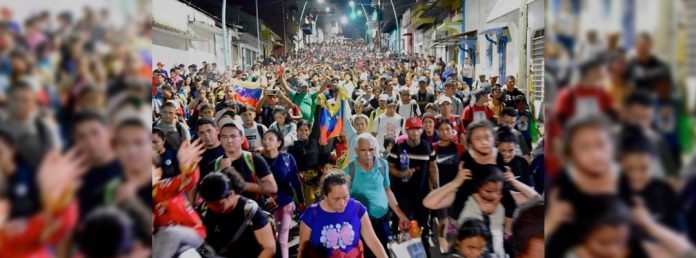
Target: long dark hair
[278, 135]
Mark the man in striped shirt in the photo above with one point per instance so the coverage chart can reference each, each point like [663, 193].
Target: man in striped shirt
[413, 174]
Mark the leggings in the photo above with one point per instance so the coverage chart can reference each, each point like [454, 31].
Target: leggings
[283, 215]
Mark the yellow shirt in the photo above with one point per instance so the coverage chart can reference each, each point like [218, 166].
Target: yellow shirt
[496, 108]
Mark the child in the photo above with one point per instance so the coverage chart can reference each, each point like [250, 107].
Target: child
[388, 144]
[523, 125]
[471, 240]
[340, 147]
[639, 162]
[476, 112]
[507, 142]
[608, 233]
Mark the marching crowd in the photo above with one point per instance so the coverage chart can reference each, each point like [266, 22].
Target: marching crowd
[617, 139]
[74, 135]
[366, 151]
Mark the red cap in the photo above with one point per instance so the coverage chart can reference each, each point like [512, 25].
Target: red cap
[413, 122]
[160, 64]
[6, 11]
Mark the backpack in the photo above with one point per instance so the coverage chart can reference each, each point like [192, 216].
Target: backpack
[249, 160]
[179, 129]
[414, 111]
[351, 169]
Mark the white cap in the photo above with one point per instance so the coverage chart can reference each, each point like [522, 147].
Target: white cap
[228, 120]
[383, 97]
[444, 99]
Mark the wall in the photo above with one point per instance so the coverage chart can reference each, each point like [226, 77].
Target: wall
[118, 10]
[171, 49]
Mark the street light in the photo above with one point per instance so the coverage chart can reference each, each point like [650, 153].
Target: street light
[359, 13]
[351, 3]
[328, 9]
[344, 20]
[321, 1]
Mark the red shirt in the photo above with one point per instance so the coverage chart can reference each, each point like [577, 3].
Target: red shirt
[341, 148]
[570, 99]
[475, 111]
[171, 207]
[29, 241]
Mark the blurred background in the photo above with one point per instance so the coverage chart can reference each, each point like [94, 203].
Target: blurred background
[75, 165]
[620, 100]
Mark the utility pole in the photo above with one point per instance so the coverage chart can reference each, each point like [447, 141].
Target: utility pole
[398, 30]
[461, 50]
[258, 30]
[522, 49]
[285, 37]
[300, 34]
[225, 40]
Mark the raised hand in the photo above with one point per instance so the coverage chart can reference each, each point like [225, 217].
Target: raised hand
[463, 174]
[559, 211]
[156, 175]
[189, 155]
[640, 213]
[60, 175]
[509, 176]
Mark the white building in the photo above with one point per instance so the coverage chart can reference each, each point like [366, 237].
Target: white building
[184, 34]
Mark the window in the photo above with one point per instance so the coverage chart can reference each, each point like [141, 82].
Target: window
[537, 65]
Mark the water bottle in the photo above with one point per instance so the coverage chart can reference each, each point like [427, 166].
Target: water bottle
[404, 163]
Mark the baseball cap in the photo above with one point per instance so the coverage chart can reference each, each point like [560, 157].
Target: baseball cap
[444, 99]
[225, 121]
[304, 83]
[391, 101]
[106, 232]
[160, 64]
[405, 91]
[215, 186]
[413, 123]
[421, 79]
[428, 115]
[384, 97]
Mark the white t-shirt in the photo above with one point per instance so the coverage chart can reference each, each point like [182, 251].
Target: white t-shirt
[388, 127]
[409, 110]
[254, 136]
[350, 87]
[468, 71]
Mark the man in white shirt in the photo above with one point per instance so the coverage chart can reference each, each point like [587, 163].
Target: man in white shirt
[467, 72]
[408, 107]
[252, 130]
[480, 83]
[388, 125]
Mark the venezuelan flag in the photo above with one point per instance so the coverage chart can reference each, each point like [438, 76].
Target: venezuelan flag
[331, 120]
[248, 93]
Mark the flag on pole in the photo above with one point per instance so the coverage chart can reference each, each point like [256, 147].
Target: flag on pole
[248, 93]
[331, 120]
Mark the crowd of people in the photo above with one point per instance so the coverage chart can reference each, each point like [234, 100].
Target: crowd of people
[353, 145]
[618, 142]
[75, 160]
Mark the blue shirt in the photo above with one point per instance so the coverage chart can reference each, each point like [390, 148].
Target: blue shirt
[369, 187]
[332, 231]
[287, 178]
